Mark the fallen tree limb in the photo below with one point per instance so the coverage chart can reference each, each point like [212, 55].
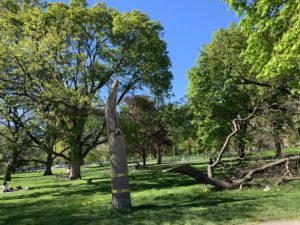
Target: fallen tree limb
[236, 128]
[204, 178]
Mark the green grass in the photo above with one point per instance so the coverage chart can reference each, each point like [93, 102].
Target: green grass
[271, 153]
[158, 198]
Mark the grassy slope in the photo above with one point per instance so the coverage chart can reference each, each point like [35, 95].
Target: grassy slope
[158, 198]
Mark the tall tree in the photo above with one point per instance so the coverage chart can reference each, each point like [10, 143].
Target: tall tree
[215, 94]
[15, 140]
[64, 57]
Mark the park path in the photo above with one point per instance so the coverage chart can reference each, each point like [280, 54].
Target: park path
[282, 222]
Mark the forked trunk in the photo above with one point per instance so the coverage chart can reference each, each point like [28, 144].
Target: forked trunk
[118, 157]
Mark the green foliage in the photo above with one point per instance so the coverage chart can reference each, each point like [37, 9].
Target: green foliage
[99, 154]
[273, 51]
[78, 3]
[178, 118]
[214, 93]
[143, 125]
[62, 59]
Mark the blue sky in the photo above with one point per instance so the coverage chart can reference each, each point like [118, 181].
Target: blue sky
[188, 24]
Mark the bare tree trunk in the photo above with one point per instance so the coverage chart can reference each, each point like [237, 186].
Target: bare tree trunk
[118, 157]
[48, 164]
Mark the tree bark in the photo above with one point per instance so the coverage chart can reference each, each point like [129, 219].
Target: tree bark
[118, 157]
[10, 166]
[175, 150]
[144, 156]
[278, 152]
[8, 172]
[75, 166]
[241, 150]
[159, 157]
[48, 164]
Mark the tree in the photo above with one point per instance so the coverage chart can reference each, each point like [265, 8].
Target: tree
[270, 59]
[44, 133]
[181, 131]
[136, 118]
[145, 130]
[272, 28]
[63, 58]
[14, 141]
[215, 93]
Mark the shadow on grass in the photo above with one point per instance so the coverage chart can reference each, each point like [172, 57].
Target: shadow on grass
[84, 203]
[216, 210]
[171, 209]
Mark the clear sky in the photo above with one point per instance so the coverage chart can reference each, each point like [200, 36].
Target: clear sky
[188, 24]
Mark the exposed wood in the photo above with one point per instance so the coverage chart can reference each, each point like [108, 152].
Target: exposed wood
[118, 157]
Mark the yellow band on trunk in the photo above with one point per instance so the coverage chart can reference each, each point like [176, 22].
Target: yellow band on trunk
[120, 191]
[119, 175]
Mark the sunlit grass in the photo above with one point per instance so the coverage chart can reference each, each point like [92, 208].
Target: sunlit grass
[158, 198]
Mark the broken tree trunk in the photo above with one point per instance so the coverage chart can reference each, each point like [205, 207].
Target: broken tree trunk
[118, 157]
[203, 178]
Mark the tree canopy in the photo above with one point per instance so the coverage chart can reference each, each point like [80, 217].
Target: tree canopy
[215, 94]
[63, 57]
[273, 45]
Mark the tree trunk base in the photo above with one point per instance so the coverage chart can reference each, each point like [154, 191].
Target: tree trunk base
[48, 173]
[75, 169]
[121, 200]
[8, 172]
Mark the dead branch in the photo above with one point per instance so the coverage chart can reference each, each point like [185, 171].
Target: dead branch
[203, 178]
[284, 178]
[228, 138]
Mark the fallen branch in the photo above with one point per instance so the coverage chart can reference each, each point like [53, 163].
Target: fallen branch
[236, 128]
[203, 178]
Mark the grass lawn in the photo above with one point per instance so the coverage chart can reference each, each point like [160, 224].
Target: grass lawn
[158, 198]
